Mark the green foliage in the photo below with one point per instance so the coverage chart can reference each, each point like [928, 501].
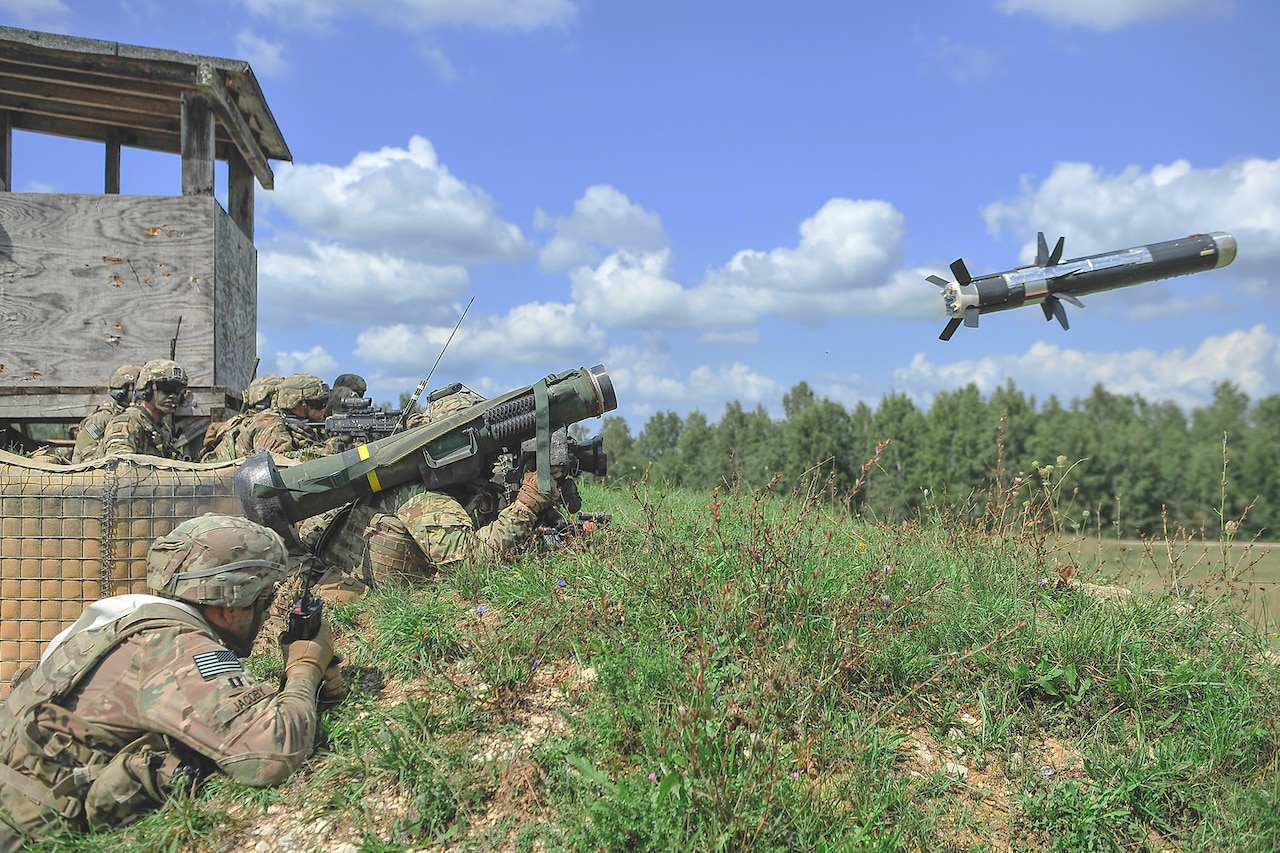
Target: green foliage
[1144, 468]
[762, 669]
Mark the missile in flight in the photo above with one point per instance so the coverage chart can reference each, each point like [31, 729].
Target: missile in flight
[1051, 281]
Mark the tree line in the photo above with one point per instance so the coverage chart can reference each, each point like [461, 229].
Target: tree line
[1117, 463]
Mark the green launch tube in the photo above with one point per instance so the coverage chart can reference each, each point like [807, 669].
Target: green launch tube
[452, 450]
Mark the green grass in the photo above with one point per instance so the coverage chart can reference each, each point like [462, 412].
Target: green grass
[757, 671]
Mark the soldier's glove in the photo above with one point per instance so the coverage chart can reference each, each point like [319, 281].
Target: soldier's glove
[533, 500]
[332, 686]
[315, 653]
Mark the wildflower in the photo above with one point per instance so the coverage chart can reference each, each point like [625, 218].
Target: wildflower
[560, 582]
[653, 777]
[795, 774]
[533, 663]
[862, 544]
[1062, 460]
[480, 608]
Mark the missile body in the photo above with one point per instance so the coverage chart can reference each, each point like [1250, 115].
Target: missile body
[451, 450]
[1049, 281]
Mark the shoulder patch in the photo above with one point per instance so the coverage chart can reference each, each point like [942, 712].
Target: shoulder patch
[221, 662]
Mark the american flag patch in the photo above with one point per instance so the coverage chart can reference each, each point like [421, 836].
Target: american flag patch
[221, 662]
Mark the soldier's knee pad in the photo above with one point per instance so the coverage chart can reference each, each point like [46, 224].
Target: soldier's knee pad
[393, 553]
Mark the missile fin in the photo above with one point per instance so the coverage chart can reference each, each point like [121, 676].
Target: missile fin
[1070, 298]
[952, 325]
[1059, 312]
[941, 282]
[1042, 250]
[971, 317]
[1057, 252]
[1047, 307]
[960, 271]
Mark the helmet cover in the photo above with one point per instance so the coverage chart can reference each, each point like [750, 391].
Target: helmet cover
[301, 386]
[217, 559]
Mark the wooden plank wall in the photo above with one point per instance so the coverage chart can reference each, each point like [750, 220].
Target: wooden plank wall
[89, 282]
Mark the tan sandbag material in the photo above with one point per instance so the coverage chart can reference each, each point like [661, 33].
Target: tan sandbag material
[71, 534]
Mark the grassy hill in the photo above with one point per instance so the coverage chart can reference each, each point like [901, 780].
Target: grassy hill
[758, 671]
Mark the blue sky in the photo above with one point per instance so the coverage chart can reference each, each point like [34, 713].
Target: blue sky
[718, 200]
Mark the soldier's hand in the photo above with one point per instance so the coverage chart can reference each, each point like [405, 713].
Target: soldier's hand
[332, 687]
[534, 500]
[316, 653]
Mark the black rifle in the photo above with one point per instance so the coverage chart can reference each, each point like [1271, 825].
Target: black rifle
[357, 419]
[554, 528]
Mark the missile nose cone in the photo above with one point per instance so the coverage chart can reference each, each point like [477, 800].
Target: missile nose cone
[1226, 244]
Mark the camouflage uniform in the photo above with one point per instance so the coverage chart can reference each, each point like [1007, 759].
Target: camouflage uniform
[91, 429]
[133, 431]
[221, 440]
[142, 696]
[89, 435]
[409, 532]
[279, 431]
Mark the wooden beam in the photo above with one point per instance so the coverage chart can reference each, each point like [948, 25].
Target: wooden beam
[215, 89]
[111, 180]
[240, 193]
[6, 152]
[198, 153]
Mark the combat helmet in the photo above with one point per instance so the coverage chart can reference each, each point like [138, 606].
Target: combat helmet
[217, 559]
[446, 401]
[120, 385]
[156, 371]
[354, 381]
[299, 387]
[259, 392]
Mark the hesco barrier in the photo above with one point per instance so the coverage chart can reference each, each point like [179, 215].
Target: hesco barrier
[71, 534]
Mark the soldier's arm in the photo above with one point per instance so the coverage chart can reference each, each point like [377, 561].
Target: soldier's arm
[117, 438]
[444, 531]
[204, 697]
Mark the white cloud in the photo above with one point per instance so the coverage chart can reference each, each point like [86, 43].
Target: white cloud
[603, 218]
[741, 337]
[1100, 212]
[845, 263]
[401, 200]
[1114, 14]
[52, 15]
[644, 374]
[1249, 358]
[333, 283]
[422, 14]
[265, 57]
[316, 361]
[532, 333]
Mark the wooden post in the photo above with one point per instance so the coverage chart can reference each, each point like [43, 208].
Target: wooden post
[111, 181]
[198, 153]
[240, 181]
[6, 151]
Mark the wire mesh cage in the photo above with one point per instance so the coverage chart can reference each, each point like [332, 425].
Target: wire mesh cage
[71, 534]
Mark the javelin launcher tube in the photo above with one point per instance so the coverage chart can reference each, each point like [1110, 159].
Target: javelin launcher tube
[452, 450]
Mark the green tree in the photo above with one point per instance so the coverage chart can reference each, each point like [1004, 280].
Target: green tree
[700, 466]
[1211, 471]
[896, 487]
[746, 441]
[819, 435]
[658, 445]
[624, 463]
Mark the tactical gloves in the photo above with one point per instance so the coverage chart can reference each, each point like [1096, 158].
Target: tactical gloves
[316, 653]
[533, 500]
